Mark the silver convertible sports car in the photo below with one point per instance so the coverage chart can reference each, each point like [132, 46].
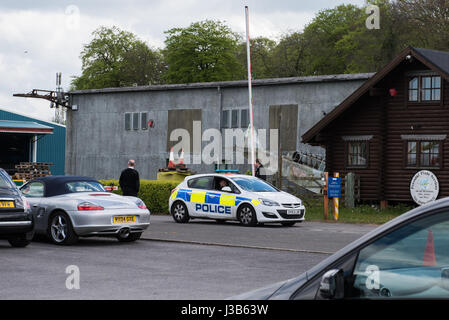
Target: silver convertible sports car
[68, 207]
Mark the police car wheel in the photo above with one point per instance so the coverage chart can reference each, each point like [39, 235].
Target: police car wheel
[247, 215]
[179, 212]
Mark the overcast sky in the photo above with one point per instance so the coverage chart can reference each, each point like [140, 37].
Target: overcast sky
[40, 38]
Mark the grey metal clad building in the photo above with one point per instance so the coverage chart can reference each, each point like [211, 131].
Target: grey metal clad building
[110, 126]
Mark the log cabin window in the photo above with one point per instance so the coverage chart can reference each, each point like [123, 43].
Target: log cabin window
[423, 154]
[424, 88]
[357, 153]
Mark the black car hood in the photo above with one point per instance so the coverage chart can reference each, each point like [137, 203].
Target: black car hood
[278, 291]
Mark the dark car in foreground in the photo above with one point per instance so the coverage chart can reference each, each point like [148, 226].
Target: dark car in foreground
[16, 221]
[406, 258]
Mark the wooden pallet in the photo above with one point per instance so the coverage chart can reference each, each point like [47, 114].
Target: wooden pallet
[30, 170]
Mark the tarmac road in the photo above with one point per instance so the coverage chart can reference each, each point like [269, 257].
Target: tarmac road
[314, 237]
[230, 260]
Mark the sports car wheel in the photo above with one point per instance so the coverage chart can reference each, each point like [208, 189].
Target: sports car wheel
[60, 230]
[180, 213]
[247, 215]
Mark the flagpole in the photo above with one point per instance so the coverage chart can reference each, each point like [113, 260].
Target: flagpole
[250, 92]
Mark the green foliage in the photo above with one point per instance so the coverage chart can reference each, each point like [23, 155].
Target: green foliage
[154, 193]
[261, 58]
[360, 214]
[204, 51]
[336, 41]
[322, 35]
[116, 58]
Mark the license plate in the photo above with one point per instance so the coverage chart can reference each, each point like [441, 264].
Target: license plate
[294, 211]
[7, 204]
[125, 219]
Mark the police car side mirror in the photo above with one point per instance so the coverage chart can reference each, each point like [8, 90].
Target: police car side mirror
[226, 189]
[332, 284]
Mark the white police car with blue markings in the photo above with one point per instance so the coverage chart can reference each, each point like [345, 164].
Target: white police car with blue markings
[239, 197]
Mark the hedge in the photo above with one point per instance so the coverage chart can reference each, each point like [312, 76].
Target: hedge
[154, 193]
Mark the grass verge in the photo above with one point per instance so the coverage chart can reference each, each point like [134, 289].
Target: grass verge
[360, 214]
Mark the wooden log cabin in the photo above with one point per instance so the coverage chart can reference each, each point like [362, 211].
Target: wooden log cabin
[395, 125]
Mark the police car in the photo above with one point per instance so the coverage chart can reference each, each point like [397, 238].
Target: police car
[239, 197]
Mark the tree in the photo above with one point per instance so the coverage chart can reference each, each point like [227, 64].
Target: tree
[288, 56]
[204, 51]
[142, 65]
[368, 50]
[425, 23]
[116, 58]
[322, 55]
[261, 58]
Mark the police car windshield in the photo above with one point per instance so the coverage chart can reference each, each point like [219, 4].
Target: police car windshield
[254, 185]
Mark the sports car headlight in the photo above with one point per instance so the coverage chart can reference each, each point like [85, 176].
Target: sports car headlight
[269, 203]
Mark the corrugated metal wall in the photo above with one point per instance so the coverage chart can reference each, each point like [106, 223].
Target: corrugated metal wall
[51, 147]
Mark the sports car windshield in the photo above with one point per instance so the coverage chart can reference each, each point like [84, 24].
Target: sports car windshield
[254, 185]
[85, 186]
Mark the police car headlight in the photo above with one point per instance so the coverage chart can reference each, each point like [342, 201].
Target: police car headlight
[269, 203]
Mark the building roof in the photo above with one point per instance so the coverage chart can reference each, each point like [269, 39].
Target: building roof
[7, 126]
[240, 83]
[4, 109]
[437, 61]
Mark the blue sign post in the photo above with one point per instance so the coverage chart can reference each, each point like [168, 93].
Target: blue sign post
[334, 187]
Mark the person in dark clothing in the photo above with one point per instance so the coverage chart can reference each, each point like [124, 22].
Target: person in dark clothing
[259, 170]
[129, 180]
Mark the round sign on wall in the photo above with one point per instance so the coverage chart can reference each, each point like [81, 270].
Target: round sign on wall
[424, 187]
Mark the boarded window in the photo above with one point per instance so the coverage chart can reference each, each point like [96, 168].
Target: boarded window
[144, 121]
[135, 121]
[287, 117]
[244, 118]
[182, 119]
[235, 118]
[127, 121]
[226, 119]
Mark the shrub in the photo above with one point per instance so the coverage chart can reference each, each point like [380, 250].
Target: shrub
[154, 193]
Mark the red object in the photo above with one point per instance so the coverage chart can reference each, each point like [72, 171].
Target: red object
[171, 160]
[142, 206]
[429, 254]
[181, 159]
[151, 123]
[393, 92]
[87, 206]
